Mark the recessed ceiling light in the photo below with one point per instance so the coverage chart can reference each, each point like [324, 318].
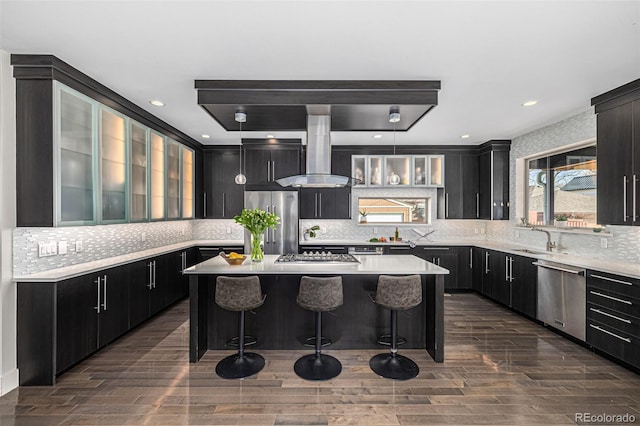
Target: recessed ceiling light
[270, 136]
[530, 103]
[156, 102]
[464, 136]
[206, 136]
[377, 136]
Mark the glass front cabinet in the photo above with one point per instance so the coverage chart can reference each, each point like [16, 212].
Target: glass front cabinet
[399, 170]
[112, 169]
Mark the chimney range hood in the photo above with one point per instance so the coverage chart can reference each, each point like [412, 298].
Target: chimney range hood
[318, 158]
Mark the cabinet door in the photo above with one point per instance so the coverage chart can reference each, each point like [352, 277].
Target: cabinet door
[157, 151]
[285, 162]
[75, 127]
[500, 284]
[113, 166]
[77, 320]
[524, 287]
[158, 293]
[454, 190]
[212, 184]
[477, 268]
[138, 188]
[341, 165]
[484, 185]
[187, 173]
[258, 166]
[443, 256]
[469, 183]
[114, 301]
[465, 261]
[500, 185]
[232, 193]
[308, 203]
[614, 165]
[173, 179]
[176, 285]
[140, 279]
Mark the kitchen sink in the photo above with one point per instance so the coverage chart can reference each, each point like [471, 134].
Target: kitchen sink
[531, 251]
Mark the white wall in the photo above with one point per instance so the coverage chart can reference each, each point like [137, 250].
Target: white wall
[8, 363]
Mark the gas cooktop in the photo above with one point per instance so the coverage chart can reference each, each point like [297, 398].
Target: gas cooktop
[317, 257]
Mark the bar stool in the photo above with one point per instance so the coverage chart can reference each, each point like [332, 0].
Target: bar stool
[319, 294]
[396, 293]
[239, 294]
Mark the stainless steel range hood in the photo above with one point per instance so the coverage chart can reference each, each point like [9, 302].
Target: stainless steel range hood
[318, 158]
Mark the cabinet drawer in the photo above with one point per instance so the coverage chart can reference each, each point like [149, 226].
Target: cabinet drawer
[614, 342]
[613, 318]
[615, 283]
[608, 299]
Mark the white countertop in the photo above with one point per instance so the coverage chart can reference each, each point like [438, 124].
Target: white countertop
[369, 264]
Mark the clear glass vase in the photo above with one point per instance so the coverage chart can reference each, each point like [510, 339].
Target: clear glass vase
[257, 255]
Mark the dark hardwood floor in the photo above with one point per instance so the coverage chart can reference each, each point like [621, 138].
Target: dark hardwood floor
[499, 369]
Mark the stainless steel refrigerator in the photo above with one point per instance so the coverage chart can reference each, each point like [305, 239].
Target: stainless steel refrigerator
[283, 239]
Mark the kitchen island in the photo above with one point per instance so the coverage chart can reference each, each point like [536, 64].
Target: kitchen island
[281, 324]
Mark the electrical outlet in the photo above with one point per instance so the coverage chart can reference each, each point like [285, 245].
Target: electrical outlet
[476, 230]
[78, 246]
[604, 243]
[482, 231]
[228, 229]
[62, 247]
[375, 230]
[517, 234]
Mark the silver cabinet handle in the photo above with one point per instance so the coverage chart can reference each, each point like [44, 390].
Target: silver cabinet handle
[624, 198]
[320, 203]
[471, 258]
[626, 321]
[399, 248]
[558, 322]
[610, 333]
[486, 262]
[273, 231]
[477, 204]
[315, 199]
[349, 204]
[205, 204]
[154, 274]
[224, 198]
[104, 289]
[556, 268]
[595, 293]
[446, 205]
[97, 307]
[510, 269]
[613, 280]
[506, 268]
[150, 266]
[273, 170]
[634, 198]
[268, 171]
[435, 248]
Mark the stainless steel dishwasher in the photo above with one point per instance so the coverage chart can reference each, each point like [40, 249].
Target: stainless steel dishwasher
[562, 297]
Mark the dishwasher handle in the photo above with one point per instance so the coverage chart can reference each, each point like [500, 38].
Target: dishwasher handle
[560, 268]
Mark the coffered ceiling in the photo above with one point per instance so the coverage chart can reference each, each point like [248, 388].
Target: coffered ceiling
[490, 56]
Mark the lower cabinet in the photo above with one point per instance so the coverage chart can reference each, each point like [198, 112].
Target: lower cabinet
[524, 285]
[447, 257]
[61, 323]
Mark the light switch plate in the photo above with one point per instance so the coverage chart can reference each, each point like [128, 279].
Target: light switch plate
[47, 249]
[78, 246]
[604, 243]
[62, 247]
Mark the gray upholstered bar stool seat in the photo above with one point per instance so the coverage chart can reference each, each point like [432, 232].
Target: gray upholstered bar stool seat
[239, 294]
[396, 293]
[319, 294]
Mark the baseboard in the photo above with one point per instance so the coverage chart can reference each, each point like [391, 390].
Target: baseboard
[9, 381]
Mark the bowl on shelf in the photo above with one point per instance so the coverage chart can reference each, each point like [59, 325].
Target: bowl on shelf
[233, 260]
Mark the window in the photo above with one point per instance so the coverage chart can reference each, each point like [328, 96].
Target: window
[394, 210]
[563, 186]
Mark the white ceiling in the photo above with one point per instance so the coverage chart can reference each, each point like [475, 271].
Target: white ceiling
[491, 56]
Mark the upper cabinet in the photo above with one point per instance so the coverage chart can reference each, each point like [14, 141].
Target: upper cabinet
[493, 196]
[398, 170]
[618, 147]
[224, 198]
[81, 162]
[266, 162]
[461, 196]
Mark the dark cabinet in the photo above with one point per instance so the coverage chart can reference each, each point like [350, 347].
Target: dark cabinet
[158, 293]
[178, 284]
[447, 257]
[223, 197]
[493, 180]
[524, 285]
[319, 204]
[140, 285]
[93, 310]
[461, 186]
[266, 163]
[477, 268]
[500, 277]
[618, 146]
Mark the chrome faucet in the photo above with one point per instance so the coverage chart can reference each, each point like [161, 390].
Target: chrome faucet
[550, 245]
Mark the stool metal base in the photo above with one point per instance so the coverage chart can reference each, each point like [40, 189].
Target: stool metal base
[238, 366]
[311, 342]
[248, 341]
[385, 339]
[317, 367]
[394, 366]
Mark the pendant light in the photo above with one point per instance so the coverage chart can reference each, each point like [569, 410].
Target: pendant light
[394, 117]
[241, 117]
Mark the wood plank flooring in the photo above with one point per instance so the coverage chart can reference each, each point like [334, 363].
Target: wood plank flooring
[499, 369]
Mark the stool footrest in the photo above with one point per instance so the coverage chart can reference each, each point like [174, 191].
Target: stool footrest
[311, 342]
[248, 341]
[385, 339]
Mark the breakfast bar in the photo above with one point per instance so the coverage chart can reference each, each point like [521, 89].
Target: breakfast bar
[281, 324]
